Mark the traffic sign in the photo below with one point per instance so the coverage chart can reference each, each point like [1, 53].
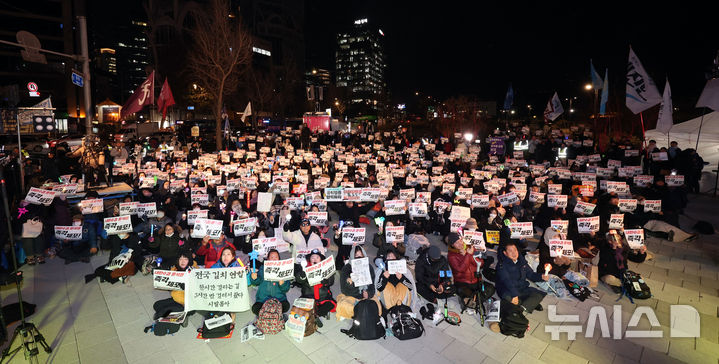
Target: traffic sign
[77, 79]
[32, 89]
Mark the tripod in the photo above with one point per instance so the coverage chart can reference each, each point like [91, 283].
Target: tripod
[26, 331]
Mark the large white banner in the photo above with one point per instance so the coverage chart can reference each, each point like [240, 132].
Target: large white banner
[220, 289]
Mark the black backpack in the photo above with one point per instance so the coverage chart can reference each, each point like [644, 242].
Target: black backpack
[403, 325]
[635, 286]
[704, 227]
[367, 324]
[581, 293]
[163, 328]
[512, 322]
[220, 331]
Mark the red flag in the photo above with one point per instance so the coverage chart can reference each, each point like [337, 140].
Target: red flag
[165, 100]
[144, 95]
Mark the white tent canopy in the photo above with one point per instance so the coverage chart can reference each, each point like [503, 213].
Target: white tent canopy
[685, 134]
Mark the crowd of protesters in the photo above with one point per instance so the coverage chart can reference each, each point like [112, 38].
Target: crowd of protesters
[488, 185]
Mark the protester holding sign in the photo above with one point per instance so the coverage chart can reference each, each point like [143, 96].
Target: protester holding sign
[614, 253]
[354, 289]
[176, 302]
[321, 293]
[166, 243]
[79, 249]
[394, 289]
[380, 241]
[211, 249]
[302, 239]
[465, 270]
[269, 289]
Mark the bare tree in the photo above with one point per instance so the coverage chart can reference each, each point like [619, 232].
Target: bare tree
[221, 53]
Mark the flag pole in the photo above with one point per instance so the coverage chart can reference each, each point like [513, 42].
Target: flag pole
[644, 137]
[701, 122]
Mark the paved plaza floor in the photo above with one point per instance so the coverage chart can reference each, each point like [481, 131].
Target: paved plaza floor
[103, 323]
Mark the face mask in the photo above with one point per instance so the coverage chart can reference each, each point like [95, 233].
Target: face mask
[169, 235]
[76, 223]
[160, 215]
[492, 216]
[123, 236]
[237, 208]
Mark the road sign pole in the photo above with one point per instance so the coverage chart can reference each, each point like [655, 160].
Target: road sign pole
[82, 21]
[19, 156]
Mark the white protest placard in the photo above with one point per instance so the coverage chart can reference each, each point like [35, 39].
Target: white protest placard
[193, 215]
[117, 225]
[317, 218]
[120, 260]
[370, 194]
[588, 224]
[295, 203]
[264, 245]
[278, 270]
[653, 206]
[635, 238]
[351, 194]
[395, 207]
[418, 209]
[264, 201]
[616, 221]
[394, 234]
[128, 208]
[317, 272]
[674, 180]
[209, 227]
[360, 272]
[643, 180]
[460, 212]
[353, 236]
[521, 230]
[244, 226]
[217, 290]
[554, 189]
[169, 280]
[585, 208]
[425, 197]
[474, 238]
[147, 182]
[295, 326]
[65, 189]
[407, 194]
[68, 232]
[480, 200]
[464, 193]
[200, 198]
[397, 266]
[333, 194]
[562, 226]
[508, 199]
[39, 196]
[147, 209]
[536, 197]
[93, 206]
[282, 187]
[559, 201]
[455, 223]
[559, 248]
[627, 204]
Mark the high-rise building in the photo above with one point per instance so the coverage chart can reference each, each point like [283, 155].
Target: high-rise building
[360, 64]
[133, 56]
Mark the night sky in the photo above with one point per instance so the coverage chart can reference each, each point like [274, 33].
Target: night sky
[445, 48]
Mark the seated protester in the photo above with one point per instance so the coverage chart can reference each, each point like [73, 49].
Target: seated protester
[150, 225]
[394, 289]
[433, 280]
[269, 289]
[343, 250]
[352, 293]
[613, 255]
[79, 250]
[465, 270]
[120, 243]
[380, 240]
[560, 269]
[211, 249]
[320, 230]
[165, 243]
[321, 293]
[302, 239]
[438, 218]
[511, 282]
[176, 302]
[227, 260]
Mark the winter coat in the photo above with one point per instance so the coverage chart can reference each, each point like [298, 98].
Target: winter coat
[269, 289]
[212, 252]
[463, 267]
[512, 277]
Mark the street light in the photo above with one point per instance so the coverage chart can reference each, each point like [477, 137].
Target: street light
[468, 137]
[588, 86]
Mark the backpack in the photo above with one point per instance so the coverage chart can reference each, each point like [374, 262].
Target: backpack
[217, 332]
[402, 324]
[704, 227]
[581, 293]
[635, 286]
[163, 328]
[309, 315]
[367, 324]
[269, 319]
[514, 324]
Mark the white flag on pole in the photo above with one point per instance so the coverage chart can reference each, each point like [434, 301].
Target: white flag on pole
[665, 121]
[247, 112]
[710, 95]
[642, 93]
[554, 108]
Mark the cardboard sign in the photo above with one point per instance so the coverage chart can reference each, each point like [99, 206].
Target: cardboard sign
[217, 290]
[674, 181]
[635, 238]
[559, 248]
[418, 209]
[394, 234]
[168, 280]
[278, 270]
[128, 208]
[559, 201]
[353, 236]
[360, 272]
[397, 266]
[588, 224]
[68, 232]
[627, 205]
[244, 227]
[554, 189]
[201, 199]
[117, 225]
[521, 230]
[616, 221]
[209, 227]
[39, 196]
[653, 206]
[317, 218]
[317, 272]
[395, 207]
[94, 206]
[585, 208]
[562, 226]
[147, 209]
